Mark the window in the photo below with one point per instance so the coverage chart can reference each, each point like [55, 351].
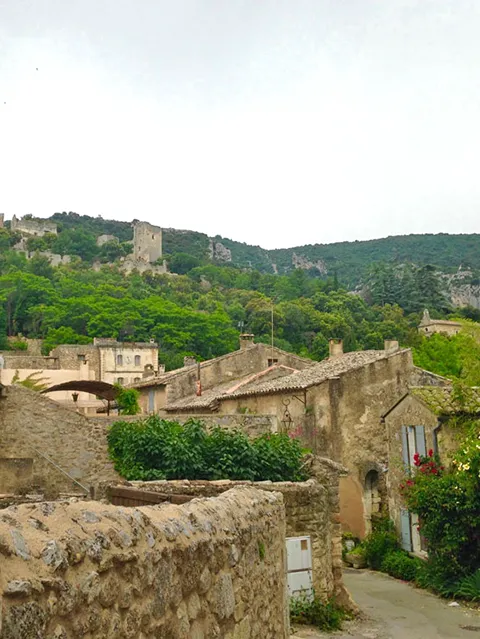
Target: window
[271, 362]
[120, 380]
[136, 379]
[137, 360]
[413, 441]
[81, 358]
[119, 360]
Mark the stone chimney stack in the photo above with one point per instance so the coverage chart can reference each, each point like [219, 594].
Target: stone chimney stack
[189, 360]
[246, 340]
[335, 347]
[391, 346]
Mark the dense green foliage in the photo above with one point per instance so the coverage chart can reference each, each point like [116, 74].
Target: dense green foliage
[127, 400]
[201, 311]
[456, 357]
[154, 448]
[315, 612]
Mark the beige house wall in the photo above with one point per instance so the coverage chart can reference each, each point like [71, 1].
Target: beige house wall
[209, 568]
[446, 329]
[341, 419]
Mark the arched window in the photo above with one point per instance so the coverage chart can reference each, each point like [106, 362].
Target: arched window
[137, 360]
[119, 360]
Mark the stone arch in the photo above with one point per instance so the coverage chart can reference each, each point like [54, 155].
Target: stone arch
[373, 482]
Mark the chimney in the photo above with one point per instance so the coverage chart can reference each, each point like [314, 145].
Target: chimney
[148, 371]
[189, 360]
[246, 340]
[335, 347]
[391, 346]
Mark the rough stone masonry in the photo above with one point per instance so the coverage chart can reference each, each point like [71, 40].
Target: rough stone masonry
[209, 568]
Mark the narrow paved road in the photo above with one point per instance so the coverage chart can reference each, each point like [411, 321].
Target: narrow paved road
[395, 610]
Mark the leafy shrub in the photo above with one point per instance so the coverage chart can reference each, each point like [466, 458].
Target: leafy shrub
[469, 587]
[379, 543]
[400, 565]
[127, 400]
[154, 448]
[18, 345]
[448, 506]
[313, 611]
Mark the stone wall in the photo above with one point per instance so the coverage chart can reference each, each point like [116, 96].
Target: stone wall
[209, 568]
[232, 366]
[36, 426]
[15, 474]
[311, 508]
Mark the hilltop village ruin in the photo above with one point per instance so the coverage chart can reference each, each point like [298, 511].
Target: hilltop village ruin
[86, 553]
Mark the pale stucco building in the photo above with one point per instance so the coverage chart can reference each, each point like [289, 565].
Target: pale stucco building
[429, 326]
[105, 360]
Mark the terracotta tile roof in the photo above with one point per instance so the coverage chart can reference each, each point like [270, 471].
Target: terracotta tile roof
[299, 380]
[448, 401]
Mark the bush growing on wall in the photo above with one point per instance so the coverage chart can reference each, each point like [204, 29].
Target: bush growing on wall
[154, 448]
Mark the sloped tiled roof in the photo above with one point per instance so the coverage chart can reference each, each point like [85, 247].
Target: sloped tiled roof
[209, 397]
[448, 401]
[297, 381]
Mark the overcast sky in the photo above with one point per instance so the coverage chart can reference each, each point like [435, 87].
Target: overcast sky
[274, 122]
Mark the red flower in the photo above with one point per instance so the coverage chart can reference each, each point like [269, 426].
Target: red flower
[430, 453]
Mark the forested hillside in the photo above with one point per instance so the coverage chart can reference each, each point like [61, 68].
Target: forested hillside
[202, 307]
[349, 261]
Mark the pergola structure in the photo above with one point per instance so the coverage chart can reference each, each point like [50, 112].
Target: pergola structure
[103, 390]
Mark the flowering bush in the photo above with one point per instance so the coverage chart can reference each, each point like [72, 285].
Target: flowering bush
[448, 507]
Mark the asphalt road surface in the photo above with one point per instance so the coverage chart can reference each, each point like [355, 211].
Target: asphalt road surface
[393, 609]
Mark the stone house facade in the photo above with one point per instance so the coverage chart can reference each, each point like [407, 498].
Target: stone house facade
[105, 360]
[157, 393]
[416, 423]
[335, 407]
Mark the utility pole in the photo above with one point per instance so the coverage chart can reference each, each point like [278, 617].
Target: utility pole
[272, 332]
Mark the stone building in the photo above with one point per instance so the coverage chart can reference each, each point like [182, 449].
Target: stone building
[418, 422]
[32, 226]
[105, 360]
[147, 250]
[2, 220]
[430, 326]
[334, 406]
[251, 362]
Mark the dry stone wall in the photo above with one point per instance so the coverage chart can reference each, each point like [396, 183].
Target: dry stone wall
[311, 508]
[210, 568]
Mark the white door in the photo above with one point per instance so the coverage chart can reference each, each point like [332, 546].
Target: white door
[299, 566]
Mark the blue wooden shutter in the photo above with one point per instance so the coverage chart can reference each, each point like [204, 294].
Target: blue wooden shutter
[405, 455]
[151, 401]
[420, 440]
[406, 530]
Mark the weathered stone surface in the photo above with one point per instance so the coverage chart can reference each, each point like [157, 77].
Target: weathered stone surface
[54, 555]
[26, 621]
[223, 597]
[19, 545]
[176, 572]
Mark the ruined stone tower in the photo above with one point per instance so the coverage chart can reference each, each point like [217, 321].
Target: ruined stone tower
[147, 242]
